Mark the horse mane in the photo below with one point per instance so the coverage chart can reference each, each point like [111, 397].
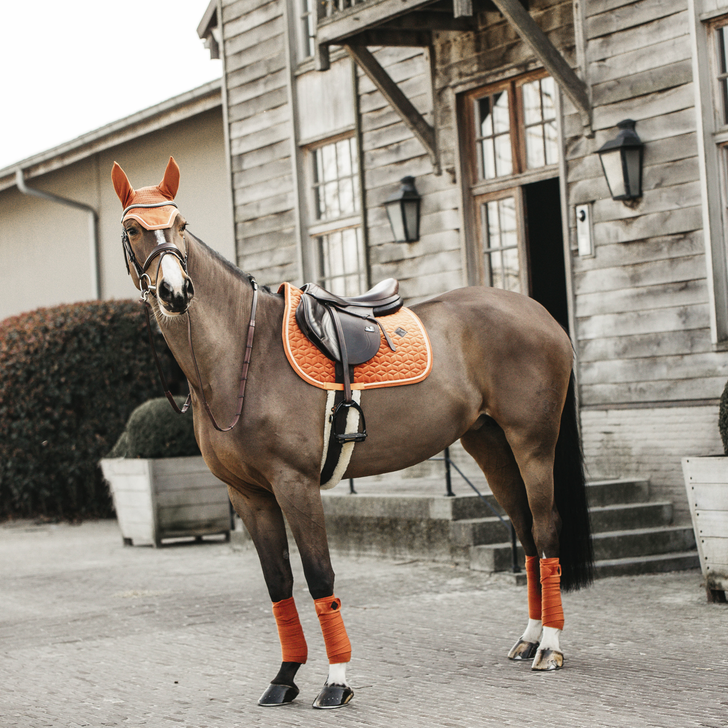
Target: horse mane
[230, 267]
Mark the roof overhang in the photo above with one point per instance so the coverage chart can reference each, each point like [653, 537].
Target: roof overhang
[157, 117]
[412, 23]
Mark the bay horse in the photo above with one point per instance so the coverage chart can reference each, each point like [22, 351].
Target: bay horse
[501, 383]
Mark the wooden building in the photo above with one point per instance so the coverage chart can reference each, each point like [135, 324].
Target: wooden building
[497, 108]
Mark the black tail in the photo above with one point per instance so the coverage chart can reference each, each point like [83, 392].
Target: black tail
[576, 554]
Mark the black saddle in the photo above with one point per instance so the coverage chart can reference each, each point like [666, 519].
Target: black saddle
[347, 331]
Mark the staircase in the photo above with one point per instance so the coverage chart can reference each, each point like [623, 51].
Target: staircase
[631, 534]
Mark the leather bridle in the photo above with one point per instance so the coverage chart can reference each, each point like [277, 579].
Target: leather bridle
[159, 251]
[146, 287]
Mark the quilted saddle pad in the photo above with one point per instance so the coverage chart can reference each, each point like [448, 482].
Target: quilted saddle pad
[411, 363]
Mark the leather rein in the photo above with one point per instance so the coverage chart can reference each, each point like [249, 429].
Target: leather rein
[148, 289]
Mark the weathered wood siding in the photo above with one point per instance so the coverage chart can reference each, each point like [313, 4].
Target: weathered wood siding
[259, 125]
[643, 324]
[390, 151]
[649, 375]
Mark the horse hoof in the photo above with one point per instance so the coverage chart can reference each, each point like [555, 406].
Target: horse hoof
[333, 696]
[276, 695]
[548, 660]
[523, 650]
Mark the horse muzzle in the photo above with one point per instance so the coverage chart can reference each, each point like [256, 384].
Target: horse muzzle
[174, 287]
[175, 299]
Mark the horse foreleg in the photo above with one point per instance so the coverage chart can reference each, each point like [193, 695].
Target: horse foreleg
[304, 512]
[263, 519]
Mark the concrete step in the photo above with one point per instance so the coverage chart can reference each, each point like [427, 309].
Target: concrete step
[477, 531]
[611, 547]
[495, 557]
[626, 516]
[642, 541]
[611, 492]
[653, 564]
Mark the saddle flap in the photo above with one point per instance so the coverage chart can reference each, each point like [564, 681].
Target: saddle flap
[361, 336]
[315, 321]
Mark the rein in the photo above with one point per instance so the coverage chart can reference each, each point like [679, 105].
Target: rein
[147, 288]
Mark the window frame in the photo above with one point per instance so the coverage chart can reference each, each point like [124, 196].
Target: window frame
[520, 174]
[502, 194]
[317, 228]
[476, 190]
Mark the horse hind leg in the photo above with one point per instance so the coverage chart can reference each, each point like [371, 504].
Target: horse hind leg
[490, 449]
[536, 465]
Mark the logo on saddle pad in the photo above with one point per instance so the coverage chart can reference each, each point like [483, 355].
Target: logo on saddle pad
[409, 364]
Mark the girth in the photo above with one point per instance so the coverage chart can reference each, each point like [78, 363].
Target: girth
[346, 330]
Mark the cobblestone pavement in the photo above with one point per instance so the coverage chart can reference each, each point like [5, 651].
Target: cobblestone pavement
[94, 634]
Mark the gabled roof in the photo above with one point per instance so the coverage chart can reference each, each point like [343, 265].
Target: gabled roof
[118, 132]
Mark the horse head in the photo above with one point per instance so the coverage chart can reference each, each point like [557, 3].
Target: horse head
[154, 230]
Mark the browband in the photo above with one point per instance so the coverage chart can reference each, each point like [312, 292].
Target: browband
[168, 203]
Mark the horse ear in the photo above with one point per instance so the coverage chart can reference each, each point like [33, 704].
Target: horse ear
[170, 184]
[123, 187]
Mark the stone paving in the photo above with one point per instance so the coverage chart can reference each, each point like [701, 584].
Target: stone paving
[95, 634]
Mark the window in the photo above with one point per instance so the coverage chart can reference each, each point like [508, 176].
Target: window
[515, 127]
[539, 122]
[721, 44]
[510, 152]
[305, 28]
[336, 206]
[500, 244]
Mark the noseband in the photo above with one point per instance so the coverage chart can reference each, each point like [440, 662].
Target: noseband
[146, 286]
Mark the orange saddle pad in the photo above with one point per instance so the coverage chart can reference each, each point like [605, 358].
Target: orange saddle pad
[411, 363]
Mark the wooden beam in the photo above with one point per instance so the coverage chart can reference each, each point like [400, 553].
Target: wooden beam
[428, 20]
[343, 24]
[545, 51]
[399, 102]
[321, 59]
[387, 37]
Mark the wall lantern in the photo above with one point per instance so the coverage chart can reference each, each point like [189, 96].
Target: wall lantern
[622, 162]
[403, 210]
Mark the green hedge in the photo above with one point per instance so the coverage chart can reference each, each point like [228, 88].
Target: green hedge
[155, 430]
[69, 378]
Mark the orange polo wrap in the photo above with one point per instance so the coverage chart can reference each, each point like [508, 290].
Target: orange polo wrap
[290, 632]
[534, 587]
[552, 611]
[338, 647]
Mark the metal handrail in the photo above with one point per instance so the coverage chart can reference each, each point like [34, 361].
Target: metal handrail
[516, 569]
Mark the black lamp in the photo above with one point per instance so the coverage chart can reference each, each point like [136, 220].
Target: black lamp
[403, 210]
[622, 162]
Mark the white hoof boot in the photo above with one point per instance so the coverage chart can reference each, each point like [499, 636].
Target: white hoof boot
[336, 692]
[549, 656]
[527, 645]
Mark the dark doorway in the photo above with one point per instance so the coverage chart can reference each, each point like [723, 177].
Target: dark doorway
[546, 247]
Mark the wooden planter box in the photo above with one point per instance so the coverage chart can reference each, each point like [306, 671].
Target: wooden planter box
[166, 498]
[706, 482]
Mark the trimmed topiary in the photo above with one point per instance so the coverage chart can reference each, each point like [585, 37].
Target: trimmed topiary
[69, 378]
[155, 430]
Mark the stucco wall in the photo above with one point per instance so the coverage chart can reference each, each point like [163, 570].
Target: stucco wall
[44, 247]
